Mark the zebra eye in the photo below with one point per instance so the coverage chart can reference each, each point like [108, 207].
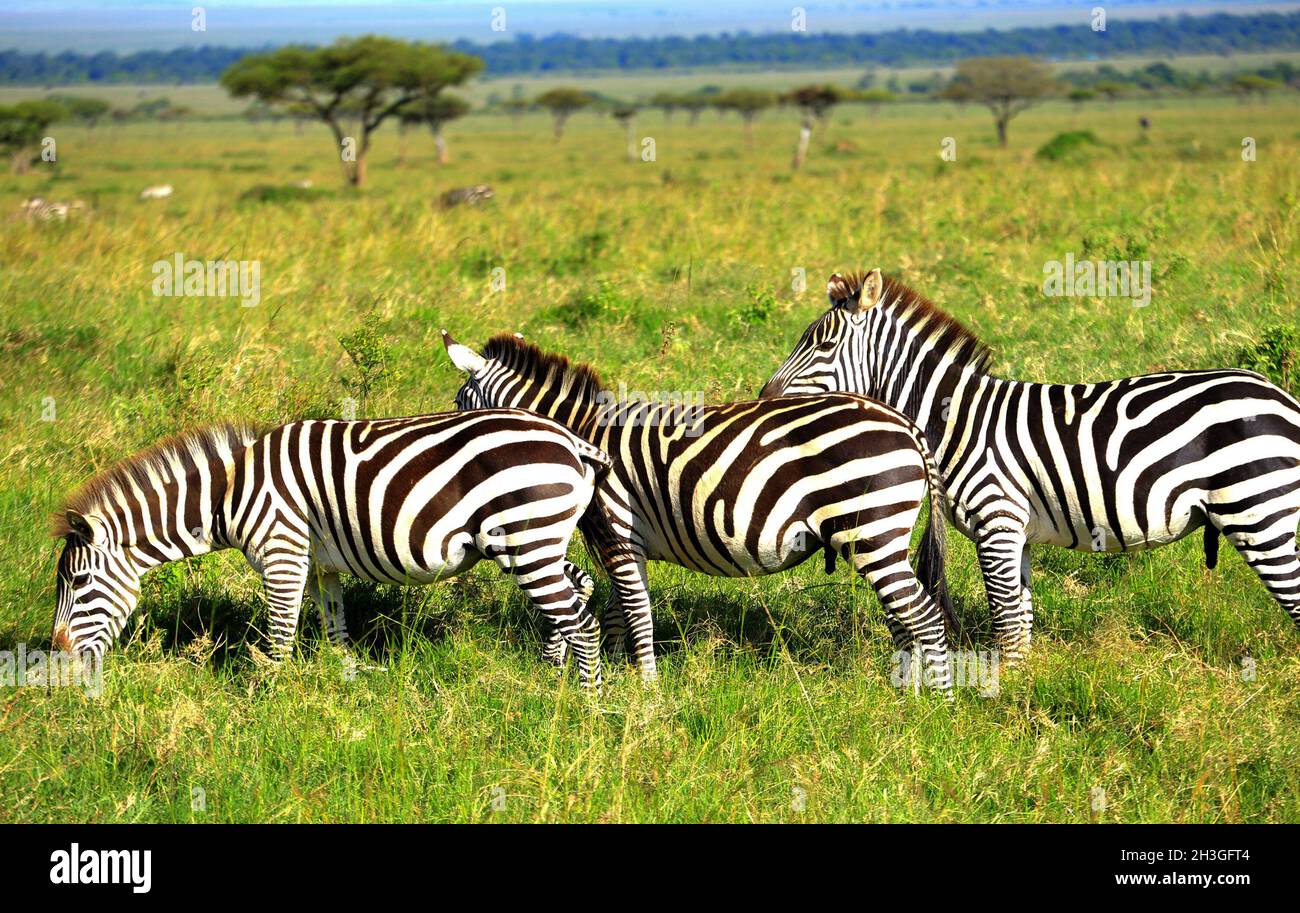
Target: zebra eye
[825, 346]
[80, 580]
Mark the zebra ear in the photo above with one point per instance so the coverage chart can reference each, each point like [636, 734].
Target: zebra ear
[873, 286]
[855, 293]
[79, 526]
[463, 357]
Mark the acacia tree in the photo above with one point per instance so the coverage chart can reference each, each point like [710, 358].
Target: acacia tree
[435, 113]
[748, 103]
[667, 102]
[815, 102]
[563, 103]
[1004, 85]
[369, 79]
[626, 115]
[22, 126]
[693, 103]
[81, 108]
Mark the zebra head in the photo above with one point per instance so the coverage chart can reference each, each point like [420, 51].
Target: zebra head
[833, 353]
[98, 586]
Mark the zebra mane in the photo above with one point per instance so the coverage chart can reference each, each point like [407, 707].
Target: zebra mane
[911, 307]
[206, 442]
[543, 367]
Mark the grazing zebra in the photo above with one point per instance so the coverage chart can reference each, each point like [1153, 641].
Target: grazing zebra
[738, 490]
[50, 210]
[406, 500]
[1121, 465]
[469, 196]
[156, 192]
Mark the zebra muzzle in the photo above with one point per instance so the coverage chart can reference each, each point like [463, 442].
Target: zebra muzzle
[63, 639]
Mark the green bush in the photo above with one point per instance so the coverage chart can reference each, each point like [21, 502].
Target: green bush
[1276, 355]
[1073, 144]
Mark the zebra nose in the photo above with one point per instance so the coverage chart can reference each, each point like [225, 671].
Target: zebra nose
[63, 639]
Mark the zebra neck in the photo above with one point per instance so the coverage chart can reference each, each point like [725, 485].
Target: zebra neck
[926, 390]
[188, 520]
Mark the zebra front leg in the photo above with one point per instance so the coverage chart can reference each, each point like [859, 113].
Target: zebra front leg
[325, 591]
[631, 601]
[614, 626]
[284, 580]
[1004, 563]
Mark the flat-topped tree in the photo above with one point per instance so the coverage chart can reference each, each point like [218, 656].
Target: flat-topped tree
[435, 113]
[626, 115]
[815, 103]
[22, 126]
[563, 103]
[1004, 85]
[748, 103]
[368, 79]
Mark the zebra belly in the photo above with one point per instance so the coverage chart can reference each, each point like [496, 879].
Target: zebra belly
[796, 546]
[458, 557]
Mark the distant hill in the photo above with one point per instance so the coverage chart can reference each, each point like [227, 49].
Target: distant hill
[1219, 33]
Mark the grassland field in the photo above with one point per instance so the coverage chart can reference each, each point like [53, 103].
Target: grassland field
[1156, 690]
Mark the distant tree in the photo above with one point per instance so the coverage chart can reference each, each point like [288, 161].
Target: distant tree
[873, 98]
[748, 103]
[515, 107]
[693, 104]
[667, 102]
[626, 115]
[435, 112]
[1081, 95]
[1004, 85]
[370, 78]
[80, 108]
[23, 126]
[563, 103]
[815, 102]
[1247, 85]
[1110, 89]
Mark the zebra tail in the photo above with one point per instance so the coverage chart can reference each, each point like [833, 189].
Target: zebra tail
[932, 556]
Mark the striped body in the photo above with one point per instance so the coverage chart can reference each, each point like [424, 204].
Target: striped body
[50, 210]
[736, 490]
[1121, 465]
[409, 500]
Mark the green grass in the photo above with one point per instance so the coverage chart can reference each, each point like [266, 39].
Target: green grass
[775, 702]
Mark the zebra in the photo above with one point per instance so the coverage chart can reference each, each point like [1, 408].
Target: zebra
[470, 196]
[739, 490]
[404, 500]
[43, 210]
[1115, 466]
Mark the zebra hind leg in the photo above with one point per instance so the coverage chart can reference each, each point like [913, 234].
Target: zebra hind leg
[556, 649]
[1269, 547]
[914, 619]
[551, 590]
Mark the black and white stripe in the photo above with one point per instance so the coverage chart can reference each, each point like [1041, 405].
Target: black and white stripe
[43, 210]
[408, 500]
[737, 490]
[1120, 465]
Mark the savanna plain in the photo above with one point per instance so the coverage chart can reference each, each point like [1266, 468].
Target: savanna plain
[1155, 691]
